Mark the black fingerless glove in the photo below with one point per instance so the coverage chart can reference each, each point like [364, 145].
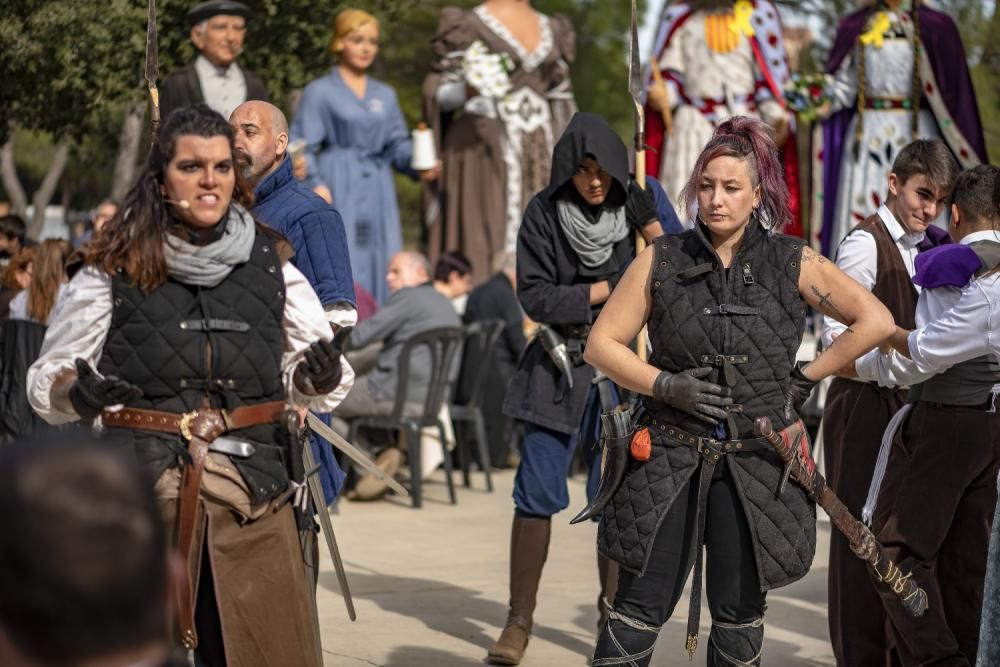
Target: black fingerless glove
[799, 388]
[91, 393]
[640, 207]
[688, 392]
[321, 365]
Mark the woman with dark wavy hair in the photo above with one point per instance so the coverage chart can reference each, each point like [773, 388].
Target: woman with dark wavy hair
[725, 305]
[185, 332]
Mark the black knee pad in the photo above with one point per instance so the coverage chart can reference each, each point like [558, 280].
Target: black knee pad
[625, 641]
[736, 644]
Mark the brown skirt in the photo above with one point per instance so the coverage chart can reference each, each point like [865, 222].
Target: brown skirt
[264, 598]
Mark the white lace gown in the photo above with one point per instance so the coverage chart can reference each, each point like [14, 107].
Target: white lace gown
[863, 183]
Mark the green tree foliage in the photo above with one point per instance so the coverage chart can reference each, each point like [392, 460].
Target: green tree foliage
[71, 66]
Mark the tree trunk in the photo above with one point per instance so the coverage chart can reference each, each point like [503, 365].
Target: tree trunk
[129, 142]
[43, 195]
[8, 175]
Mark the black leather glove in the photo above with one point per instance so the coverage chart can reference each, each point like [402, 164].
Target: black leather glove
[640, 208]
[799, 388]
[321, 364]
[91, 393]
[687, 391]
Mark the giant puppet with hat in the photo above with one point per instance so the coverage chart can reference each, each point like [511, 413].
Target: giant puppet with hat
[218, 29]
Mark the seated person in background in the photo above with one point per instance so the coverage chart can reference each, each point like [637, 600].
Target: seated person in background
[453, 278]
[413, 307]
[86, 574]
[496, 299]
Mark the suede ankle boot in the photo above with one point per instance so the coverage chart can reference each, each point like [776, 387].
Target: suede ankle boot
[529, 547]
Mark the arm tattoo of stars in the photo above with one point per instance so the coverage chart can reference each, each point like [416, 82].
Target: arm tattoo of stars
[826, 303]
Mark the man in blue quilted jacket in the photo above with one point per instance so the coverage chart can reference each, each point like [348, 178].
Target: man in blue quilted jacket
[313, 227]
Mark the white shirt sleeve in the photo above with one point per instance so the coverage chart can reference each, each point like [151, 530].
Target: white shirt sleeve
[78, 327]
[306, 322]
[891, 370]
[858, 258]
[964, 332]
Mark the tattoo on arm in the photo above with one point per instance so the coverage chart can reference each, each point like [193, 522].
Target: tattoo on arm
[808, 254]
[826, 303]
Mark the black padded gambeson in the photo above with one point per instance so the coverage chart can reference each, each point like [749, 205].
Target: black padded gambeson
[747, 323]
[183, 344]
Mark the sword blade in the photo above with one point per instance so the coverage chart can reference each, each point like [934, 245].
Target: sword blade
[635, 78]
[316, 491]
[634, 73]
[358, 456]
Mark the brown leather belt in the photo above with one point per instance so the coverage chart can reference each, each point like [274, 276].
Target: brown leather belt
[180, 423]
[199, 427]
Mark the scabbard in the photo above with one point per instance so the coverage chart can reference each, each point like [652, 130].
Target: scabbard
[187, 513]
[863, 542]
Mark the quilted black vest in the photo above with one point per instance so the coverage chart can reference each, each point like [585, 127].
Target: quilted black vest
[184, 345]
[747, 325]
[746, 322]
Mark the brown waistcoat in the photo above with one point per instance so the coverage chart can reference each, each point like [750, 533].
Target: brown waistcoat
[893, 283]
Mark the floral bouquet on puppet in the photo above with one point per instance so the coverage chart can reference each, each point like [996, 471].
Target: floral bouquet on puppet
[808, 95]
[487, 71]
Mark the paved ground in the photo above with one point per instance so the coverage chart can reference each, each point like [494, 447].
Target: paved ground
[430, 587]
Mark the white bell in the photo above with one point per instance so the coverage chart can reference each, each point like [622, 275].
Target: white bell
[424, 156]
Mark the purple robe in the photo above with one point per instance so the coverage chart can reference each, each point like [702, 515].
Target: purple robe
[943, 45]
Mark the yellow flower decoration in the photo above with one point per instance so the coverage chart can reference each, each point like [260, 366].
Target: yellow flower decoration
[875, 35]
[742, 13]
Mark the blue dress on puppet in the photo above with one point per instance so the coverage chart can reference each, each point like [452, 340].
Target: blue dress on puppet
[352, 146]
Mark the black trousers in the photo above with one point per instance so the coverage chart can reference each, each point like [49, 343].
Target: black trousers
[731, 581]
[934, 514]
[854, 419]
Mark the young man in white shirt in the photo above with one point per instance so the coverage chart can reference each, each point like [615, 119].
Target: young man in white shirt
[937, 497]
[879, 253]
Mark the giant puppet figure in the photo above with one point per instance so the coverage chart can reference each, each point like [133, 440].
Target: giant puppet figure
[496, 125]
[717, 58]
[899, 73]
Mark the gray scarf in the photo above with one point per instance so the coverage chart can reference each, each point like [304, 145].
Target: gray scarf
[593, 241]
[208, 265]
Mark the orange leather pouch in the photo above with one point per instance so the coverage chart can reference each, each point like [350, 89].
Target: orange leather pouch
[641, 446]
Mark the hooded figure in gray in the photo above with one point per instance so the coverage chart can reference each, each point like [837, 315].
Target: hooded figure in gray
[570, 242]
[576, 240]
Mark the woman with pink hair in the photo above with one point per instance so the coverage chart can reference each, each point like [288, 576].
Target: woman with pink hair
[725, 306]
